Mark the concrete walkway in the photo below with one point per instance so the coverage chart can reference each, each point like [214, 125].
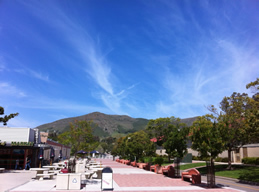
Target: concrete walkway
[125, 178]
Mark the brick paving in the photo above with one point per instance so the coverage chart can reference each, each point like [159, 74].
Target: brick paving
[126, 179]
[147, 180]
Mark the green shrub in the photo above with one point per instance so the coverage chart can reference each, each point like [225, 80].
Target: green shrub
[149, 160]
[224, 159]
[159, 161]
[205, 159]
[218, 159]
[165, 160]
[250, 160]
[146, 159]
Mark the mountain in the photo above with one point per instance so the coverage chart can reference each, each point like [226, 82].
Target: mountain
[106, 125]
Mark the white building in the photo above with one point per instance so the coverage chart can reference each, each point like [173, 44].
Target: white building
[23, 143]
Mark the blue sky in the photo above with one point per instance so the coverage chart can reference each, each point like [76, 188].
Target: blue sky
[145, 59]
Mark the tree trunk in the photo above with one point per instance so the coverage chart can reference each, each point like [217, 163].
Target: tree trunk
[210, 174]
[177, 167]
[229, 159]
[169, 157]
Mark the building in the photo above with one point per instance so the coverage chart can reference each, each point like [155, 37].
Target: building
[249, 150]
[24, 143]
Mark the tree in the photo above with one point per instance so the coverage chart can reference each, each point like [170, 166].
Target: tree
[176, 140]
[6, 117]
[156, 129]
[252, 114]
[119, 148]
[79, 137]
[138, 145]
[109, 141]
[208, 139]
[164, 130]
[104, 147]
[232, 118]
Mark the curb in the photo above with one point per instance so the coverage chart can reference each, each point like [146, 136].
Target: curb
[237, 180]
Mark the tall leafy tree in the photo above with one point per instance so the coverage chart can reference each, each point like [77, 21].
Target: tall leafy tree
[79, 137]
[138, 145]
[6, 118]
[252, 114]
[232, 118]
[104, 147]
[109, 141]
[156, 129]
[175, 142]
[119, 147]
[207, 138]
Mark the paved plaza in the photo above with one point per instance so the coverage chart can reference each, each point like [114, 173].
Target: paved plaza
[125, 178]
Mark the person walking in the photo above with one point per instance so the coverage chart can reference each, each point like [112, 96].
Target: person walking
[17, 164]
[28, 164]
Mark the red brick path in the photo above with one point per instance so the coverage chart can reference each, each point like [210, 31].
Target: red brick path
[147, 180]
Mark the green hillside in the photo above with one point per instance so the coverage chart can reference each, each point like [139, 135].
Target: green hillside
[105, 125]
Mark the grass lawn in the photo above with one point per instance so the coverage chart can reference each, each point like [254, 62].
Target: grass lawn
[191, 165]
[238, 172]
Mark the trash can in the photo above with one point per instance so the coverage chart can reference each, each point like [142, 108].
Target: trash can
[107, 179]
[62, 181]
[74, 181]
[80, 167]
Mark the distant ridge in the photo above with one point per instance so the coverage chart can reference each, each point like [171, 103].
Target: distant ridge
[106, 125]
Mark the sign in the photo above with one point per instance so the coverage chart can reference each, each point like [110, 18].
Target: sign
[107, 179]
[17, 143]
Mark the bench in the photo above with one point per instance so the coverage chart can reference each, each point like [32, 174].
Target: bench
[146, 166]
[142, 165]
[193, 174]
[40, 176]
[156, 168]
[122, 161]
[2, 170]
[153, 168]
[54, 171]
[168, 171]
[88, 175]
[127, 162]
[134, 164]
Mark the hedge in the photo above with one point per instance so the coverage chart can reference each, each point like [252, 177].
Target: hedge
[251, 160]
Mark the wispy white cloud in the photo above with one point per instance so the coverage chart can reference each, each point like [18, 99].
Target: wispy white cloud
[22, 122]
[33, 74]
[94, 61]
[18, 67]
[208, 82]
[63, 106]
[39, 75]
[124, 91]
[98, 69]
[190, 60]
[197, 69]
[10, 90]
